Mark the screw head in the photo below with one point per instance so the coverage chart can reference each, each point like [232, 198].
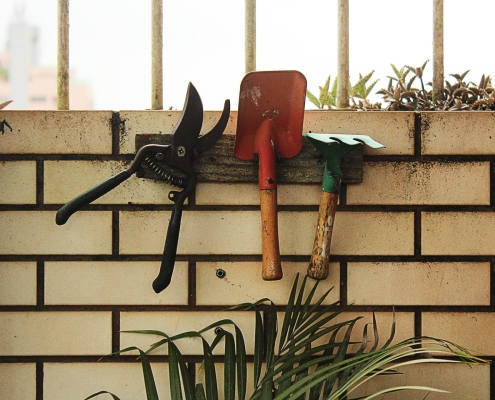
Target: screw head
[181, 151]
[220, 273]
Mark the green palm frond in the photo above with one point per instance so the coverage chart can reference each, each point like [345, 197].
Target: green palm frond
[315, 358]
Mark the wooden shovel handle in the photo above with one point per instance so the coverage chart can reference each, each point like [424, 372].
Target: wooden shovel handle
[271, 267]
[318, 265]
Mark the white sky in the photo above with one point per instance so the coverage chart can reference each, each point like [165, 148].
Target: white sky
[110, 44]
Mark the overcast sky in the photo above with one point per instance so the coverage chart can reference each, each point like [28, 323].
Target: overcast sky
[110, 44]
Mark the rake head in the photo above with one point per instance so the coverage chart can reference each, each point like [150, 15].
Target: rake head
[333, 147]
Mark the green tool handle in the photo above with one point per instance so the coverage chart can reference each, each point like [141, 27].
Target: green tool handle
[168, 259]
[318, 265]
[89, 196]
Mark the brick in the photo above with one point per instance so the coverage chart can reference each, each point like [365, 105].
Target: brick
[458, 132]
[140, 122]
[238, 232]
[173, 323]
[17, 182]
[468, 329]
[18, 381]
[458, 233]
[472, 381]
[35, 232]
[242, 283]
[248, 194]
[57, 132]
[65, 180]
[17, 283]
[373, 233]
[55, 333]
[435, 284]
[79, 380]
[393, 129]
[452, 183]
[195, 235]
[112, 283]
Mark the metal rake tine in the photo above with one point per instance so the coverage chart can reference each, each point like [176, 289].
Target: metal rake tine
[356, 139]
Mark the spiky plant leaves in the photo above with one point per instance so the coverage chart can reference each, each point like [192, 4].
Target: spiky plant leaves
[173, 371]
[306, 363]
[398, 73]
[312, 98]
[200, 392]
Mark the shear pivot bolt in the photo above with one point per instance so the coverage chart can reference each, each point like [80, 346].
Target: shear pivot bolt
[218, 330]
[181, 151]
[159, 156]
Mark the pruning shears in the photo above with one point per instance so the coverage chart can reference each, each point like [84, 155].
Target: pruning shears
[178, 156]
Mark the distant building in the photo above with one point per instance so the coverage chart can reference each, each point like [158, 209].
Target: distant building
[30, 86]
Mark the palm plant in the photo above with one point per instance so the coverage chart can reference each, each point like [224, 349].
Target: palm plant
[311, 357]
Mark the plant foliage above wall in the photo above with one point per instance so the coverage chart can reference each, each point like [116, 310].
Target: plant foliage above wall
[312, 356]
[402, 95]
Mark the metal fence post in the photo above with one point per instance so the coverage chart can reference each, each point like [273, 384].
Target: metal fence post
[250, 36]
[343, 55]
[157, 54]
[63, 56]
[438, 67]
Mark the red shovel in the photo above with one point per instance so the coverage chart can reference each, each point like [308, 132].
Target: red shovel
[269, 127]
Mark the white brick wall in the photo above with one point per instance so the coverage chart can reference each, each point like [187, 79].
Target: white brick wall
[416, 235]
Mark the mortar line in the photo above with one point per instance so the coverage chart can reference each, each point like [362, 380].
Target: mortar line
[115, 331]
[115, 233]
[417, 133]
[115, 126]
[417, 233]
[40, 182]
[191, 285]
[343, 283]
[492, 283]
[492, 183]
[40, 285]
[39, 380]
[418, 326]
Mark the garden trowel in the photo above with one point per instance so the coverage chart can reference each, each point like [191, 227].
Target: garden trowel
[269, 127]
[333, 147]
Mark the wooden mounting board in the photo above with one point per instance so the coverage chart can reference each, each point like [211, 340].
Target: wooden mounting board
[219, 164]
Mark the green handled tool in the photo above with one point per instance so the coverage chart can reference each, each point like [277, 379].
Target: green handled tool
[333, 147]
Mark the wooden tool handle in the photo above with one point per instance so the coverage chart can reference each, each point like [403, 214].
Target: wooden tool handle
[318, 266]
[271, 267]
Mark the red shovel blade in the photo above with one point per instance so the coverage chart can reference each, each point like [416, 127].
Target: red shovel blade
[269, 124]
[276, 96]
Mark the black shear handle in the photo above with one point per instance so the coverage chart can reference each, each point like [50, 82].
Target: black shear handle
[89, 196]
[168, 259]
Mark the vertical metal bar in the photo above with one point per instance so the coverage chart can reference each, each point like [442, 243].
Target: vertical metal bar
[63, 56]
[250, 38]
[438, 57]
[157, 54]
[343, 55]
